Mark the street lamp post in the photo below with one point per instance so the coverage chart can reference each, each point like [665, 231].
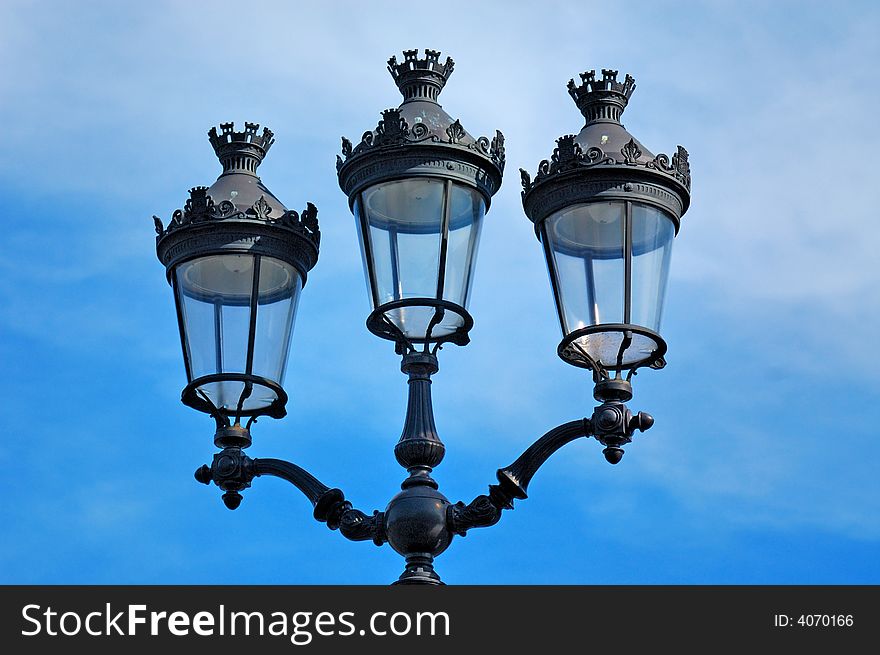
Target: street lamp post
[419, 187]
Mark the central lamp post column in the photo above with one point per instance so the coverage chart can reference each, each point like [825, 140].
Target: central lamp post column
[419, 187]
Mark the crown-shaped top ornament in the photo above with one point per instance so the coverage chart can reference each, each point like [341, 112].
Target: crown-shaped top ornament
[241, 152]
[602, 100]
[420, 79]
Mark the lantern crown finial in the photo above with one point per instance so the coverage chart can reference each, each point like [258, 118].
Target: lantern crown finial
[240, 152]
[420, 79]
[602, 100]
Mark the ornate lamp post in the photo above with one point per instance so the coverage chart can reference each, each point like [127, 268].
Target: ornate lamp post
[237, 260]
[606, 210]
[419, 187]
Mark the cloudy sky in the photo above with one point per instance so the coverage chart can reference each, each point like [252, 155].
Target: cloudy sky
[762, 465]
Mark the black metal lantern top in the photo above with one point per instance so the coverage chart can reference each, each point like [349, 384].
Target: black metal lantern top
[419, 138]
[606, 210]
[419, 185]
[237, 260]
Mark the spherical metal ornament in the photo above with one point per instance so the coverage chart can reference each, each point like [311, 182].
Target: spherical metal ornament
[415, 521]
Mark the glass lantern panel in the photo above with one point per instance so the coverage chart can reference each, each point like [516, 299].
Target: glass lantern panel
[652, 232]
[215, 294]
[405, 222]
[215, 299]
[466, 212]
[586, 243]
[402, 247]
[280, 287]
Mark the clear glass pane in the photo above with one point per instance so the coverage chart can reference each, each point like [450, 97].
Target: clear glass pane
[653, 232]
[466, 211]
[404, 218]
[365, 247]
[414, 321]
[280, 287]
[404, 229]
[586, 243]
[216, 298]
[215, 292]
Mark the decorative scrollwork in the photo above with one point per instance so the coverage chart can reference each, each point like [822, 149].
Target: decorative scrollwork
[569, 155]
[392, 128]
[593, 155]
[200, 207]
[661, 163]
[481, 512]
[631, 152]
[260, 209]
[305, 223]
[420, 131]
[496, 149]
[224, 210]
[681, 165]
[455, 132]
[526, 180]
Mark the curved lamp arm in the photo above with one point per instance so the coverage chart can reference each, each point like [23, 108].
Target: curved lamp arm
[612, 424]
[233, 471]
[513, 480]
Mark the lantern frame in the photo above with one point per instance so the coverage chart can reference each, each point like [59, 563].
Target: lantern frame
[419, 139]
[236, 225]
[605, 163]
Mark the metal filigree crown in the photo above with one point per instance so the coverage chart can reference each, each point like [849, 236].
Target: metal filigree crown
[241, 152]
[602, 100]
[420, 79]
[419, 138]
[200, 208]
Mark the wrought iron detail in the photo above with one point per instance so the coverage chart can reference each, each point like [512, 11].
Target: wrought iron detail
[200, 208]
[569, 155]
[393, 130]
[631, 153]
[419, 522]
[456, 132]
[233, 471]
[260, 209]
[421, 124]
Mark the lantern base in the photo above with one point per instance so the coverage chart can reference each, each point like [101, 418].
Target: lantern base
[250, 395]
[421, 321]
[613, 347]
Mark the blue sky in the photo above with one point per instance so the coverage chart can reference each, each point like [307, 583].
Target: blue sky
[761, 467]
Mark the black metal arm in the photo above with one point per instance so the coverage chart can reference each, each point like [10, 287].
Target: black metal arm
[233, 471]
[513, 480]
[612, 424]
[420, 522]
